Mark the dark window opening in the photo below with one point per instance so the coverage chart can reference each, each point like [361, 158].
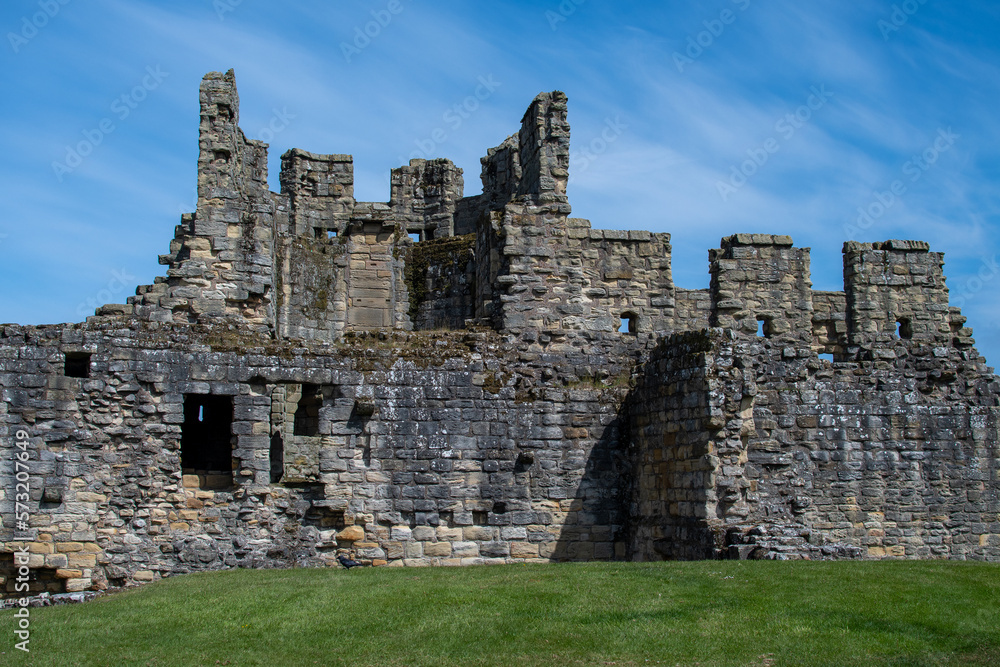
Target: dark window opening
[903, 328]
[499, 508]
[77, 365]
[206, 439]
[524, 462]
[764, 327]
[39, 580]
[277, 458]
[480, 518]
[307, 413]
[429, 235]
[629, 322]
[325, 517]
[414, 236]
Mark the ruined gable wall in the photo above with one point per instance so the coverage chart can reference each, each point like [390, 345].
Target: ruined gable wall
[221, 262]
[543, 149]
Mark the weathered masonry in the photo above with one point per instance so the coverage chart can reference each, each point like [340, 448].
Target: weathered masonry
[512, 385]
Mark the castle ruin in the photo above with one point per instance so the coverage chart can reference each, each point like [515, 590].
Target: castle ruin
[449, 380]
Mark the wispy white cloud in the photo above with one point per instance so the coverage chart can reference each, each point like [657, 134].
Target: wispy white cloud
[685, 130]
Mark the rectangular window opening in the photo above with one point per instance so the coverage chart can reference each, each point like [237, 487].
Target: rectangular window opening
[207, 440]
[39, 580]
[307, 413]
[904, 330]
[629, 323]
[414, 236]
[77, 365]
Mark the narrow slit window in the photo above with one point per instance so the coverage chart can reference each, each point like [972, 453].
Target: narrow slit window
[764, 328]
[77, 365]
[277, 458]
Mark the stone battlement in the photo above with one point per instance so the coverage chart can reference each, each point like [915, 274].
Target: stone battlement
[443, 379]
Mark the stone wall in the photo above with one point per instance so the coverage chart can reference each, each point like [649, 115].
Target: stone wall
[312, 289]
[441, 282]
[896, 289]
[448, 449]
[320, 192]
[266, 403]
[221, 261]
[536, 278]
[425, 196]
[670, 422]
[749, 448]
[692, 309]
[872, 459]
[829, 323]
[760, 279]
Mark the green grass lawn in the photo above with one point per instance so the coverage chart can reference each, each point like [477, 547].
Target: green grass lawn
[700, 613]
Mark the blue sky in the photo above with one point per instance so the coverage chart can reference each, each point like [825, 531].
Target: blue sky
[826, 105]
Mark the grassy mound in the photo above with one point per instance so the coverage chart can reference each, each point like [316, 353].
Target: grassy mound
[702, 613]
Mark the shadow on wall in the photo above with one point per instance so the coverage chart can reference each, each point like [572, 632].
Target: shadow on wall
[595, 500]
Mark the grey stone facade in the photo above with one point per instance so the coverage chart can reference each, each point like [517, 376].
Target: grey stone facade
[307, 379]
